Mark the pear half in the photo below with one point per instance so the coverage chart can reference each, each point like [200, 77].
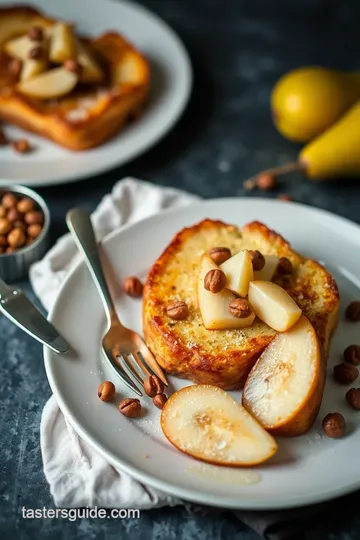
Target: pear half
[51, 84]
[239, 272]
[284, 388]
[214, 308]
[269, 269]
[273, 305]
[206, 423]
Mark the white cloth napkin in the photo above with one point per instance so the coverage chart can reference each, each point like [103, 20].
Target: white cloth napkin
[77, 475]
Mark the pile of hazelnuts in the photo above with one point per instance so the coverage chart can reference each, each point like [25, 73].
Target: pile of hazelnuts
[131, 407]
[21, 222]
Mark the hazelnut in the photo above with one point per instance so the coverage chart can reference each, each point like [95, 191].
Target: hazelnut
[352, 354]
[15, 66]
[240, 308]
[130, 407]
[153, 386]
[345, 373]
[284, 266]
[35, 33]
[257, 258]
[286, 198]
[266, 181]
[34, 217]
[21, 146]
[334, 425]
[5, 226]
[160, 400]
[16, 238]
[215, 281]
[73, 66]
[37, 52]
[3, 240]
[3, 139]
[177, 310]
[3, 211]
[220, 254]
[20, 225]
[353, 398]
[34, 230]
[13, 215]
[25, 205]
[9, 200]
[133, 287]
[353, 312]
[106, 390]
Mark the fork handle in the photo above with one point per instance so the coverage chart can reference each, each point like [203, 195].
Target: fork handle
[80, 226]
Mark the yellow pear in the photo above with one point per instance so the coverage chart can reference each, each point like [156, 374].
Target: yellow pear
[307, 101]
[336, 153]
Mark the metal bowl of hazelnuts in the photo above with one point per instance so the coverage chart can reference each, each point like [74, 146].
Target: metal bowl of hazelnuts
[24, 230]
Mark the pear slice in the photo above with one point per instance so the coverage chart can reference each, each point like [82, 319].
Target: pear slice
[51, 84]
[284, 389]
[62, 43]
[272, 304]
[20, 47]
[214, 308]
[239, 272]
[205, 422]
[268, 271]
[31, 68]
[91, 71]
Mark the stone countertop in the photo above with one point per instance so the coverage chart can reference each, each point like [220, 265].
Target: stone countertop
[239, 48]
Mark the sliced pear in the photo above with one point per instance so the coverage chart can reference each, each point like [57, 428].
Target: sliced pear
[239, 272]
[91, 71]
[62, 43]
[31, 68]
[214, 308]
[208, 424]
[52, 84]
[272, 304]
[284, 389]
[268, 271]
[20, 47]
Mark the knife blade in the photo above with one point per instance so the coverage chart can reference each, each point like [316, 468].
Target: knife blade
[17, 307]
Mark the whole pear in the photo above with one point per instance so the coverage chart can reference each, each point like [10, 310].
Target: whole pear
[335, 153]
[307, 101]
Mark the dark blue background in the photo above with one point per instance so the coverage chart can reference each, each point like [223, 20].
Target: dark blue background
[239, 48]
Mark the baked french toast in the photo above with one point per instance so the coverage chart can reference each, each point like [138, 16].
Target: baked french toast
[224, 358]
[78, 110]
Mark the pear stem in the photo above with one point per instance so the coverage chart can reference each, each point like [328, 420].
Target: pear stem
[294, 166]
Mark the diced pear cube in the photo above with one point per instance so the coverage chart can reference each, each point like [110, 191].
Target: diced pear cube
[272, 304]
[268, 271]
[239, 272]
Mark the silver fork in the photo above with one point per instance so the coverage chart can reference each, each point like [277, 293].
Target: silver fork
[124, 348]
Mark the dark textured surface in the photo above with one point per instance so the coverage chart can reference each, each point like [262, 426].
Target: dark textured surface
[239, 48]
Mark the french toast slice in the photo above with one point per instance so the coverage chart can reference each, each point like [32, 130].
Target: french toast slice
[92, 113]
[225, 357]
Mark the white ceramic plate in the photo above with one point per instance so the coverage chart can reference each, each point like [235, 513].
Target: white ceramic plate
[306, 469]
[171, 84]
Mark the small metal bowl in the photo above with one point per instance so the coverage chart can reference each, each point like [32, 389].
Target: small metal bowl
[15, 266]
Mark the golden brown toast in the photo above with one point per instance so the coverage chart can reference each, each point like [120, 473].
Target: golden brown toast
[225, 357]
[89, 115]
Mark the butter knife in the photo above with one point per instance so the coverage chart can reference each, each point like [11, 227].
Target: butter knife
[21, 311]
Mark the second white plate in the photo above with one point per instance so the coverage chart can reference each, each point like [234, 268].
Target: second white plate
[171, 84]
[306, 469]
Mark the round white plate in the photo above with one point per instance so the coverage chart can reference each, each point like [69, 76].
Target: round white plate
[306, 469]
[171, 84]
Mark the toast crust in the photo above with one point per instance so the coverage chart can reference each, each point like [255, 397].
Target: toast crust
[91, 114]
[225, 357]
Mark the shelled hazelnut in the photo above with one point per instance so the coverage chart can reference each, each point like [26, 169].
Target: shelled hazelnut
[21, 222]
